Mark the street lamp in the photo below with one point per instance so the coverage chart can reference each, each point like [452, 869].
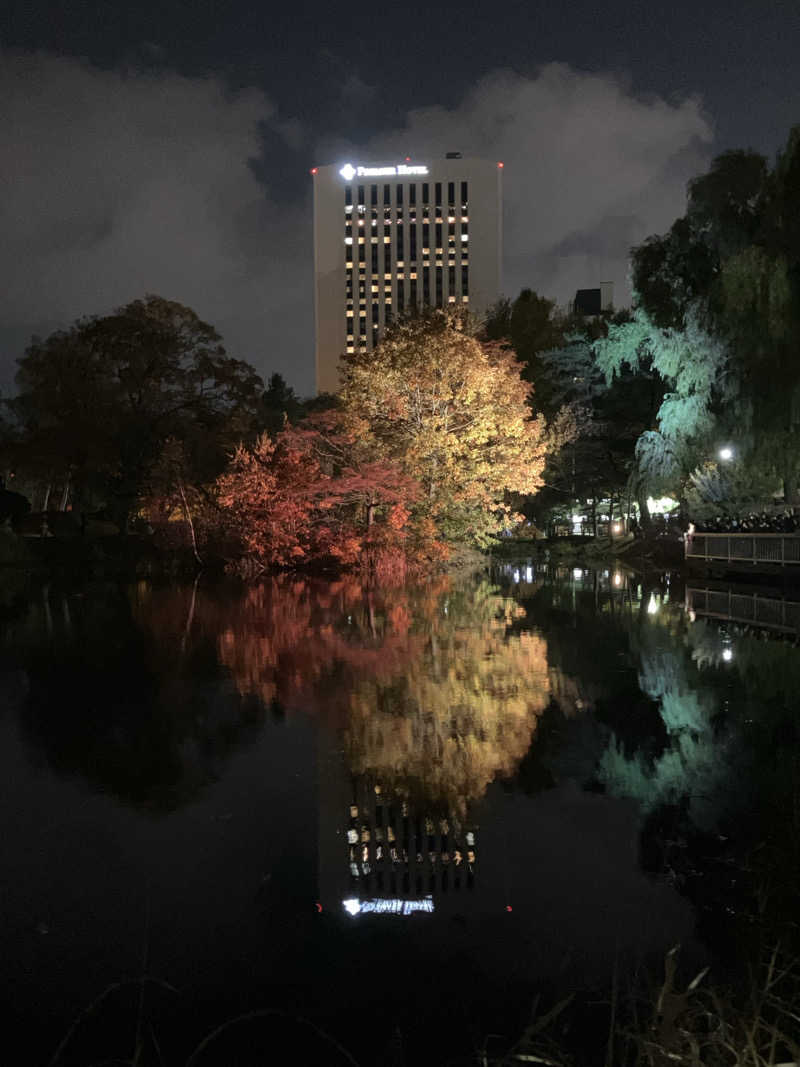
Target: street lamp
[726, 454]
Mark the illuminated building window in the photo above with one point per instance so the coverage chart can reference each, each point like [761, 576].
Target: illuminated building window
[451, 299]
[464, 237]
[387, 240]
[373, 240]
[400, 263]
[348, 240]
[360, 222]
[387, 276]
[412, 274]
[350, 348]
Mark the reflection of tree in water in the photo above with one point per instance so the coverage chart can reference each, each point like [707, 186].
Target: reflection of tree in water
[435, 693]
[304, 642]
[461, 713]
[700, 756]
[116, 696]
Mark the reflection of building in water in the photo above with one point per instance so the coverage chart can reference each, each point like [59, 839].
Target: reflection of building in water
[383, 853]
[396, 852]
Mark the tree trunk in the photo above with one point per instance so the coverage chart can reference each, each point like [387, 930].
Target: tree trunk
[644, 513]
[188, 516]
[790, 487]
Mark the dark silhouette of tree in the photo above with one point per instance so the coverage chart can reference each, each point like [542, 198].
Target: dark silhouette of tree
[98, 401]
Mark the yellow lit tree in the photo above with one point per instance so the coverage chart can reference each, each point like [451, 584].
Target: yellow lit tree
[453, 412]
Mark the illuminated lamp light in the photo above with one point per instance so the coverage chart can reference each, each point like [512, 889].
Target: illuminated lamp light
[726, 454]
[408, 159]
[617, 527]
[509, 908]
[617, 579]
[319, 907]
[500, 165]
[314, 170]
[727, 654]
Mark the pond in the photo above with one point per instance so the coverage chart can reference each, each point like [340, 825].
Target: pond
[382, 822]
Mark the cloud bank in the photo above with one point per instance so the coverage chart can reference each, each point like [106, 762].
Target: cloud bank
[114, 184]
[589, 169]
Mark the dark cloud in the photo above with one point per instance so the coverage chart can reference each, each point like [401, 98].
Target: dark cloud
[117, 183]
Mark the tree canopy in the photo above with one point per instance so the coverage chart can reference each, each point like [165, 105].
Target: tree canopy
[718, 317]
[452, 411]
[98, 402]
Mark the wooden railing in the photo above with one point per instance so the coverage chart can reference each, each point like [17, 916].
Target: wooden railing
[778, 548]
[754, 609]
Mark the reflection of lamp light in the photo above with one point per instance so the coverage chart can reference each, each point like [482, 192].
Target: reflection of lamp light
[652, 605]
[726, 453]
[727, 654]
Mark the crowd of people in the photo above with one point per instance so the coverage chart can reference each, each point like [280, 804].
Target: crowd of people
[756, 522]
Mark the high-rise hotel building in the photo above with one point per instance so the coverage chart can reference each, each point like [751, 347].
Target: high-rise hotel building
[391, 237]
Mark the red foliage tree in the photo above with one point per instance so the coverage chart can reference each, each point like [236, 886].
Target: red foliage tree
[314, 495]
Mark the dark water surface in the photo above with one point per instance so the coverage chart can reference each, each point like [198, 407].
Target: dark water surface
[396, 815]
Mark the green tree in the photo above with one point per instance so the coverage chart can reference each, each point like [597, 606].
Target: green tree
[100, 400]
[729, 269]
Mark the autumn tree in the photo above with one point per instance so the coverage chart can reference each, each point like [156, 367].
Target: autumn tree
[100, 399]
[453, 412]
[313, 494]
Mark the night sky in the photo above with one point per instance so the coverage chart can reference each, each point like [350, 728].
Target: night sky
[164, 146]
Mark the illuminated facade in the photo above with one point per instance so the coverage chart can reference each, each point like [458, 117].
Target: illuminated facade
[388, 238]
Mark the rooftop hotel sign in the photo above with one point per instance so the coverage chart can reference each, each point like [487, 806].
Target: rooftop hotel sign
[402, 170]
